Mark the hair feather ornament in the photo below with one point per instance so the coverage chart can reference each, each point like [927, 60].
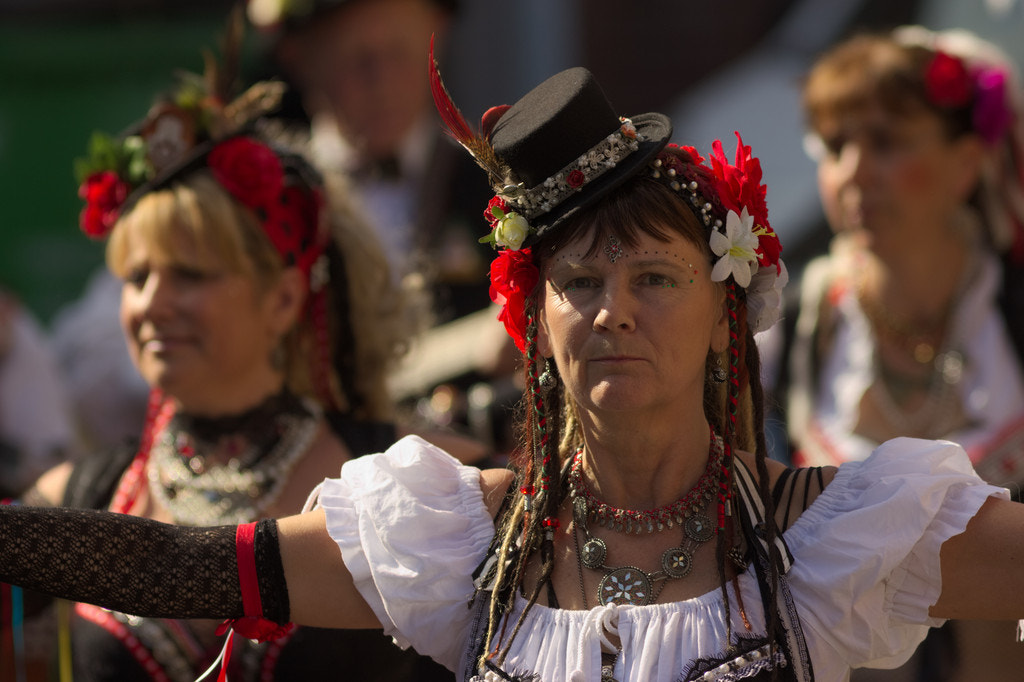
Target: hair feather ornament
[478, 144]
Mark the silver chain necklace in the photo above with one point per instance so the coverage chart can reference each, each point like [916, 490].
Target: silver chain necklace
[198, 492]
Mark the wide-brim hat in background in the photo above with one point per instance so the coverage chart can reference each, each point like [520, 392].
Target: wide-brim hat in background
[565, 147]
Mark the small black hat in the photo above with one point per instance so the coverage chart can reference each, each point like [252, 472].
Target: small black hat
[565, 147]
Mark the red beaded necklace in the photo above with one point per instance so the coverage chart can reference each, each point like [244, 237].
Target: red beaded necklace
[650, 520]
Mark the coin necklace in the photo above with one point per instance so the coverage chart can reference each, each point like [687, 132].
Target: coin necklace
[630, 584]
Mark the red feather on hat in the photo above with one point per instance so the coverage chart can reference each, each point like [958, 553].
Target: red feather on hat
[478, 144]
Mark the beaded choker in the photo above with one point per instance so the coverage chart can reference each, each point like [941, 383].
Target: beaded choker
[230, 470]
[650, 520]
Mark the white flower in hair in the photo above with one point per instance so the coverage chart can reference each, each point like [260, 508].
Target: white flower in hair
[736, 249]
[511, 231]
[764, 297]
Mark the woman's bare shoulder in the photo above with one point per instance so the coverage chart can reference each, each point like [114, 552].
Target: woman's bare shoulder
[49, 489]
[494, 484]
[792, 490]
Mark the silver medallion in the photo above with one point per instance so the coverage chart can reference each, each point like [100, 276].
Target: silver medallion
[699, 528]
[676, 562]
[594, 553]
[626, 585]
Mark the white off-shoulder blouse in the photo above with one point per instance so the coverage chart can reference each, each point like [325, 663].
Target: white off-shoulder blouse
[412, 527]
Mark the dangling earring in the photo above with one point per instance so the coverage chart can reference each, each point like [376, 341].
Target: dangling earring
[277, 357]
[965, 224]
[547, 378]
[718, 374]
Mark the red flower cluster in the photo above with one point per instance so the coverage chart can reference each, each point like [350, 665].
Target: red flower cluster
[948, 82]
[250, 171]
[673, 160]
[513, 279]
[575, 179]
[104, 193]
[739, 186]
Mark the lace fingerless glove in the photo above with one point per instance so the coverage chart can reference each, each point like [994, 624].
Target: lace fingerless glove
[137, 565]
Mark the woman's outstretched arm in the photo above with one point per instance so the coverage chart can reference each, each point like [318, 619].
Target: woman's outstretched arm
[983, 567]
[153, 569]
[320, 587]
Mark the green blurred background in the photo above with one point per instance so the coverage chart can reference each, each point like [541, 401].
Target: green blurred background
[61, 79]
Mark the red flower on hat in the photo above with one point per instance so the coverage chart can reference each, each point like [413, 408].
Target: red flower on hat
[947, 81]
[575, 179]
[769, 248]
[673, 161]
[247, 169]
[104, 193]
[739, 187]
[489, 215]
[513, 279]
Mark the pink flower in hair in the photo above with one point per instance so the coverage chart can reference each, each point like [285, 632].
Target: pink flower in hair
[992, 115]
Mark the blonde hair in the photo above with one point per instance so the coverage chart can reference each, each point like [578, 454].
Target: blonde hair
[195, 221]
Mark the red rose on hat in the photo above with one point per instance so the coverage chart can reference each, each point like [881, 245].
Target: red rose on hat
[104, 193]
[490, 216]
[250, 171]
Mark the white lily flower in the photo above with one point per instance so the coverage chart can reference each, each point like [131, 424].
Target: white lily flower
[736, 249]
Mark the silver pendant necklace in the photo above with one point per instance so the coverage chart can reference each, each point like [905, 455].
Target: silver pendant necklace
[631, 584]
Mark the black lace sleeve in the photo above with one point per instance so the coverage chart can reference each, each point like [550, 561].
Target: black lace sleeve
[137, 565]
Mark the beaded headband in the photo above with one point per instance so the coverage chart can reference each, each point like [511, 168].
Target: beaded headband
[600, 158]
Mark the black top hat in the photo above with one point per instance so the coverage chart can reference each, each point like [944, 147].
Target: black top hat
[565, 147]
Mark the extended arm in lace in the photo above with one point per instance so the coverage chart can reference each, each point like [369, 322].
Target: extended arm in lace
[137, 565]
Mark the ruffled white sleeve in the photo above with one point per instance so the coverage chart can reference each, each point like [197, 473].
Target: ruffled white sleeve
[412, 527]
[866, 551]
